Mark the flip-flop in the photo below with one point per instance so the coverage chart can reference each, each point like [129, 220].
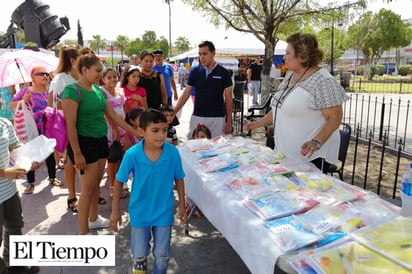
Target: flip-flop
[29, 189]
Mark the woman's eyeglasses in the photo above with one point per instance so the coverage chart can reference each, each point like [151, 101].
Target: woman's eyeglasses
[42, 74]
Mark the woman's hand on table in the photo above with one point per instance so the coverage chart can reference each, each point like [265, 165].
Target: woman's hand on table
[308, 149]
[252, 125]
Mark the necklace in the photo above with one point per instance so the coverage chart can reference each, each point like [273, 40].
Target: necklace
[289, 88]
[285, 93]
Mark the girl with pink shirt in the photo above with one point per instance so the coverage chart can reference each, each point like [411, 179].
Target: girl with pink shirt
[135, 95]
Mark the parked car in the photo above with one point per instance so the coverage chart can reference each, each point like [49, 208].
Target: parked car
[390, 68]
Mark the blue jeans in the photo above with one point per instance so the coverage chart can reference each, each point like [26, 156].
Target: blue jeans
[140, 245]
[256, 90]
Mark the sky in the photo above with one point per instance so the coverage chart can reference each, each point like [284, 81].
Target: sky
[134, 17]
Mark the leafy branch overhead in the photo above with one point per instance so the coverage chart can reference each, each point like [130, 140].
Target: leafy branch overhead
[268, 20]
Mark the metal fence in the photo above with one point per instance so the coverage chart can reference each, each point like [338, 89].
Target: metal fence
[381, 114]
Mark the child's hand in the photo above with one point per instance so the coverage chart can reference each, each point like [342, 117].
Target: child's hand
[182, 214]
[115, 220]
[136, 97]
[35, 165]
[14, 173]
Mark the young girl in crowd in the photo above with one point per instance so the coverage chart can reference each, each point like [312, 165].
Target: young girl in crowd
[116, 100]
[135, 95]
[201, 131]
[132, 118]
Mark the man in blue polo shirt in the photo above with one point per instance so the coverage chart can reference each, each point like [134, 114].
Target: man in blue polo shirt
[213, 104]
[166, 70]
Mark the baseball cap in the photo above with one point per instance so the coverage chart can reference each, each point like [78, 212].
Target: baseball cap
[157, 51]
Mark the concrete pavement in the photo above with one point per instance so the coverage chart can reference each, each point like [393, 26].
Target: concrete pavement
[205, 250]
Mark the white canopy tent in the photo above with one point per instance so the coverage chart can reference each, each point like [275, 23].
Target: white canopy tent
[234, 52]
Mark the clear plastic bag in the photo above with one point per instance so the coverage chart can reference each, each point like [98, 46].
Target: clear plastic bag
[36, 150]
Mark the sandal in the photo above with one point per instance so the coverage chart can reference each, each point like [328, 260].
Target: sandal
[29, 188]
[102, 201]
[55, 182]
[72, 204]
[61, 164]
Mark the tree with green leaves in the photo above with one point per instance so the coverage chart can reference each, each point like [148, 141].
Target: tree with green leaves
[373, 34]
[134, 47]
[150, 42]
[80, 41]
[325, 43]
[266, 20]
[98, 43]
[182, 44]
[121, 43]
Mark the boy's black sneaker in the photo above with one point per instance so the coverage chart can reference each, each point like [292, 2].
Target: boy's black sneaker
[23, 269]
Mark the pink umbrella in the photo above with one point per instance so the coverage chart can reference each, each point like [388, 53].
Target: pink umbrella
[15, 66]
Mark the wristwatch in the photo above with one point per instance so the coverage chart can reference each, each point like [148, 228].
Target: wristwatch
[318, 144]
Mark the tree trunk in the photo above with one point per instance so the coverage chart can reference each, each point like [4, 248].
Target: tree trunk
[267, 64]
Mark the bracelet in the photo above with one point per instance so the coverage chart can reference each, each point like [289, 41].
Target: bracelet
[318, 144]
[2, 173]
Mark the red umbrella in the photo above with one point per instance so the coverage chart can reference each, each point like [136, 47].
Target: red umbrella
[15, 66]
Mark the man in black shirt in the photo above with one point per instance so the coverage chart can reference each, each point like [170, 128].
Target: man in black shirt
[253, 77]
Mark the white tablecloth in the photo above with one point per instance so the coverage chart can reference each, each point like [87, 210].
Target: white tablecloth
[224, 209]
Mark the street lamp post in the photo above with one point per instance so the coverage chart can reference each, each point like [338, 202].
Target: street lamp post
[331, 25]
[332, 44]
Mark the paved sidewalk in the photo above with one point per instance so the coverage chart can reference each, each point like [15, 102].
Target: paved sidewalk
[205, 250]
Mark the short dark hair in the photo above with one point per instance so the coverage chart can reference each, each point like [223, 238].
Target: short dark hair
[165, 108]
[208, 44]
[132, 114]
[144, 53]
[151, 116]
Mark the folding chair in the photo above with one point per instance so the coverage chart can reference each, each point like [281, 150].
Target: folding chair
[345, 134]
[262, 110]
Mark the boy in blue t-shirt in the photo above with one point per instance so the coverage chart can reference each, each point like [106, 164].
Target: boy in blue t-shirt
[156, 166]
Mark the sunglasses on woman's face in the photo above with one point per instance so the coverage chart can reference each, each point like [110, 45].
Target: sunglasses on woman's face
[42, 74]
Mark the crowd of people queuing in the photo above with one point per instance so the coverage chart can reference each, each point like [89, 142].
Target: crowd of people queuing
[134, 109]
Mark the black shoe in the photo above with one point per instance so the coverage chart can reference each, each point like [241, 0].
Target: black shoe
[23, 269]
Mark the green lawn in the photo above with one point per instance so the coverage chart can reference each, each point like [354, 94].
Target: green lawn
[377, 85]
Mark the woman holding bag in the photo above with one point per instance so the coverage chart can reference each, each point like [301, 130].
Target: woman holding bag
[66, 74]
[36, 97]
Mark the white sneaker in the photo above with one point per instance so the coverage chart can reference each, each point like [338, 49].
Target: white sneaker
[100, 222]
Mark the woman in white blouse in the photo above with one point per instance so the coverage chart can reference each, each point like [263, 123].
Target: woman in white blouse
[307, 108]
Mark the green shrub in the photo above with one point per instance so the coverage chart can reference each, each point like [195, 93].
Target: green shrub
[403, 70]
[378, 69]
[360, 70]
